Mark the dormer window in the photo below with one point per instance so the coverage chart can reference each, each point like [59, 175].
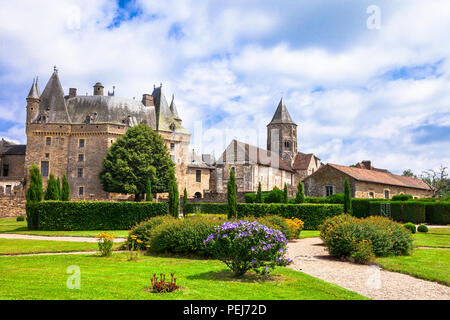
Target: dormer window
[172, 127]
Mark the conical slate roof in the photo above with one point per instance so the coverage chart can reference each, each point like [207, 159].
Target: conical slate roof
[173, 108]
[166, 120]
[282, 115]
[53, 102]
[34, 91]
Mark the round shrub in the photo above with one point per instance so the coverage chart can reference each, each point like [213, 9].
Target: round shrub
[274, 196]
[184, 236]
[20, 218]
[245, 245]
[410, 226]
[363, 251]
[142, 230]
[422, 228]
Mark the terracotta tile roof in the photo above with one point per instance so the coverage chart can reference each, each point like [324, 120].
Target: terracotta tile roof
[247, 153]
[302, 161]
[383, 177]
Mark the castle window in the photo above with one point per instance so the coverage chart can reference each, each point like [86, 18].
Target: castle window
[81, 157]
[80, 172]
[44, 168]
[5, 170]
[287, 144]
[81, 143]
[234, 170]
[386, 194]
[81, 191]
[172, 146]
[47, 155]
[328, 190]
[8, 189]
[198, 175]
[371, 195]
[48, 141]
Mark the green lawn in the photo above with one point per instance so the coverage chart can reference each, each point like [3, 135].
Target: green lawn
[8, 225]
[428, 264]
[309, 234]
[45, 277]
[437, 238]
[19, 246]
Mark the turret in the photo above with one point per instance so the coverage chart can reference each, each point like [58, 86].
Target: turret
[33, 99]
[98, 89]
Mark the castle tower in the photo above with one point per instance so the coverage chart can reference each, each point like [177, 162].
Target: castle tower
[98, 89]
[33, 99]
[282, 134]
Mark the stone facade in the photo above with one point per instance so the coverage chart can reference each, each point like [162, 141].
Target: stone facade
[12, 206]
[12, 164]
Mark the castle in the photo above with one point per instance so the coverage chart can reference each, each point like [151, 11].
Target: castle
[70, 134]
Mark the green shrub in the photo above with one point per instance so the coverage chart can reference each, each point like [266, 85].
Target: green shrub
[105, 243]
[437, 212]
[337, 198]
[274, 196]
[343, 233]
[316, 200]
[410, 226]
[212, 208]
[20, 218]
[422, 228]
[250, 197]
[401, 211]
[363, 251]
[360, 207]
[142, 231]
[98, 215]
[402, 197]
[184, 236]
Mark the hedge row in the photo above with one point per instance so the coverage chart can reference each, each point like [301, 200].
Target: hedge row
[311, 214]
[90, 215]
[404, 211]
[437, 212]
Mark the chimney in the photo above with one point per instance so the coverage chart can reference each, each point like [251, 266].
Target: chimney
[367, 164]
[72, 92]
[147, 100]
[98, 89]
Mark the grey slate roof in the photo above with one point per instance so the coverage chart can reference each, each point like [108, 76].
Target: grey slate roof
[34, 91]
[53, 102]
[110, 109]
[10, 148]
[282, 115]
[165, 118]
[173, 108]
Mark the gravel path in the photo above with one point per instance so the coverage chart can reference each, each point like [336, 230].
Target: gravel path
[311, 257]
[53, 238]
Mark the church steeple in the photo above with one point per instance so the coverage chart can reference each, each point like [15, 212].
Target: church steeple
[282, 134]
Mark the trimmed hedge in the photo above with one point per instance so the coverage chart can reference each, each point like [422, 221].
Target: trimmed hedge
[402, 197]
[437, 212]
[90, 215]
[404, 211]
[212, 208]
[360, 207]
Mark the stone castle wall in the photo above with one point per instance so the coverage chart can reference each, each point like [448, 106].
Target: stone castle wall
[11, 206]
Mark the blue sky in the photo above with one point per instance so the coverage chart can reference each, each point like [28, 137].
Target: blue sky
[356, 93]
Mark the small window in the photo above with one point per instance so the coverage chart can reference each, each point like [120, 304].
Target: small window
[172, 158]
[5, 170]
[81, 143]
[47, 155]
[172, 146]
[44, 168]
[48, 141]
[198, 175]
[234, 170]
[371, 195]
[386, 194]
[80, 157]
[80, 172]
[8, 189]
[81, 191]
[287, 144]
[328, 190]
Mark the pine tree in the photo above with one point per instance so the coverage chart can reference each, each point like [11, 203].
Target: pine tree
[285, 194]
[300, 197]
[58, 186]
[174, 199]
[347, 198]
[148, 191]
[33, 195]
[185, 202]
[259, 194]
[52, 189]
[65, 190]
[231, 196]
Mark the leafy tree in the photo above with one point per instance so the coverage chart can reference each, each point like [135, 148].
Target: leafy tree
[148, 190]
[259, 194]
[65, 190]
[347, 197]
[185, 202]
[58, 185]
[438, 180]
[231, 196]
[285, 194]
[300, 197]
[140, 154]
[33, 195]
[409, 173]
[52, 193]
[174, 198]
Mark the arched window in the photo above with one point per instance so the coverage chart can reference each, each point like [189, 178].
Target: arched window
[287, 144]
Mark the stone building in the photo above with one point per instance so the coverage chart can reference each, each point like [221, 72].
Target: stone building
[72, 133]
[12, 163]
[280, 164]
[365, 182]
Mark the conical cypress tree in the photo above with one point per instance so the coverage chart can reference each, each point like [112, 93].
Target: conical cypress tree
[259, 194]
[33, 196]
[285, 194]
[65, 190]
[185, 202]
[300, 197]
[347, 197]
[52, 189]
[58, 186]
[174, 199]
[231, 196]
[148, 191]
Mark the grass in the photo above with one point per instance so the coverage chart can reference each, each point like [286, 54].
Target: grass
[427, 264]
[309, 234]
[45, 277]
[19, 246]
[8, 225]
[435, 238]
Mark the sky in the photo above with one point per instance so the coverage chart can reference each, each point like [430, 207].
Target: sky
[362, 79]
